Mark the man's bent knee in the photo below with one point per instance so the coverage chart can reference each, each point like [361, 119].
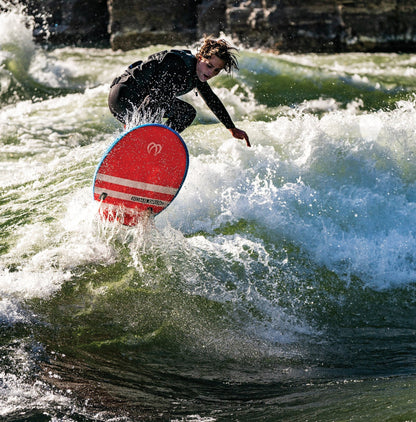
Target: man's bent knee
[181, 116]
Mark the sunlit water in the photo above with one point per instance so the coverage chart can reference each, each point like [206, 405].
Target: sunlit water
[280, 283]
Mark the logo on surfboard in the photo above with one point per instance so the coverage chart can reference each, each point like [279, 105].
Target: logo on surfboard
[154, 149]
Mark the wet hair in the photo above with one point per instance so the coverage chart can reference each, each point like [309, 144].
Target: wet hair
[220, 48]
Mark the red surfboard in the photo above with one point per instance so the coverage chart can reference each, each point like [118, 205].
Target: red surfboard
[140, 174]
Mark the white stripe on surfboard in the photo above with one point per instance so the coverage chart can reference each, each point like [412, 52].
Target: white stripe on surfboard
[135, 184]
[131, 198]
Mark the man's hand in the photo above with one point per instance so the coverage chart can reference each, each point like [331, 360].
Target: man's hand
[240, 134]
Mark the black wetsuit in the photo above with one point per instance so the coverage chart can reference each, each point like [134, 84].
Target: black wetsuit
[154, 85]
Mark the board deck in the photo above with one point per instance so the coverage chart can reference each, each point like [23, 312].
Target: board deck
[140, 174]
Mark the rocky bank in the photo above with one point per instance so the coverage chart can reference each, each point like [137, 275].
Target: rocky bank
[284, 25]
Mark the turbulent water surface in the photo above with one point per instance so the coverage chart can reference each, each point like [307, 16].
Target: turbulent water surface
[280, 283]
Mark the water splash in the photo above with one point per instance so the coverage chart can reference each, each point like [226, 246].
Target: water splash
[16, 42]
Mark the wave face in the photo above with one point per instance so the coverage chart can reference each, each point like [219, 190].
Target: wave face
[280, 283]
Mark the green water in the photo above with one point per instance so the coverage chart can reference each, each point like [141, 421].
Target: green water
[280, 283]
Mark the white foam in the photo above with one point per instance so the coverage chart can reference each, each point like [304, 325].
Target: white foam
[21, 393]
[341, 186]
[16, 44]
[11, 312]
[45, 254]
[29, 282]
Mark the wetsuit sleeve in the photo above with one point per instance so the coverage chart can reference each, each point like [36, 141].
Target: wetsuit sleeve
[215, 104]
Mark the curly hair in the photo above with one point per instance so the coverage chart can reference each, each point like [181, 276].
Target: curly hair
[220, 48]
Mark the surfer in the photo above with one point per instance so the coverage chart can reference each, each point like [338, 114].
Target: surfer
[153, 86]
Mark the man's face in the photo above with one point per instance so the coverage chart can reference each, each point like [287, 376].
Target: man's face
[208, 68]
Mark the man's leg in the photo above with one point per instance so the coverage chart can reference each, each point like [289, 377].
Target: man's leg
[122, 102]
[180, 115]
